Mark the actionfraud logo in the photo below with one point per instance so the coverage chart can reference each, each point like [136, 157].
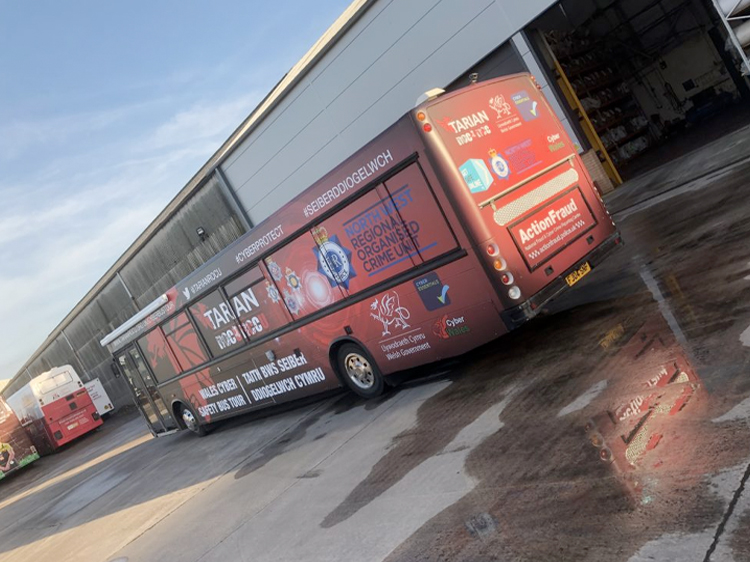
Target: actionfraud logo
[539, 226]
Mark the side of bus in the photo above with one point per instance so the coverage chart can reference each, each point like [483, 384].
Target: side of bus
[410, 293]
[398, 265]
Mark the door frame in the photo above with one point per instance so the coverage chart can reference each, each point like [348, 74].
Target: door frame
[155, 431]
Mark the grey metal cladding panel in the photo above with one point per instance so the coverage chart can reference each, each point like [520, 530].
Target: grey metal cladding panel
[472, 28]
[56, 354]
[299, 91]
[291, 116]
[109, 308]
[437, 69]
[272, 180]
[175, 250]
[375, 34]
[114, 301]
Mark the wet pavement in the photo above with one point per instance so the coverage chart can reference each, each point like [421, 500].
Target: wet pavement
[613, 427]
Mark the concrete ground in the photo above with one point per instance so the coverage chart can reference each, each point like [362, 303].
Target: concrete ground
[615, 427]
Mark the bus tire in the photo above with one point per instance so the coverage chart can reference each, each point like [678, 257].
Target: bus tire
[359, 372]
[190, 421]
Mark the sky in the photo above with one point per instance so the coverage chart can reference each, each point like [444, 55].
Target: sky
[107, 109]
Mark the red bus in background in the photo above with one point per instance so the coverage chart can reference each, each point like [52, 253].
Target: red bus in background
[16, 449]
[55, 408]
[452, 227]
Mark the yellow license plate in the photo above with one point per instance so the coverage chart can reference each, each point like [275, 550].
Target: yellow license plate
[573, 278]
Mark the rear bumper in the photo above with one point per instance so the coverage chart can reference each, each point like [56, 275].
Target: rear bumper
[514, 317]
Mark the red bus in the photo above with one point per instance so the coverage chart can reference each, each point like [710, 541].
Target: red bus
[55, 408]
[452, 227]
[16, 449]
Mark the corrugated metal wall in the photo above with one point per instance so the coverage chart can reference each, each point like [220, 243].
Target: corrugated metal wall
[174, 251]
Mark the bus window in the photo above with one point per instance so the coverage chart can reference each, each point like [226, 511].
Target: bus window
[57, 381]
[217, 323]
[161, 359]
[184, 342]
[256, 303]
[301, 281]
[420, 213]
[365, 243]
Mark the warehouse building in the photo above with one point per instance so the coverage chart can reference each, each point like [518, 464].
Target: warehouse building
[633, 81]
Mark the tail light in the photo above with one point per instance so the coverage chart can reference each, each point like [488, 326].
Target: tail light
[500, 264]
[506, 278]
[492, 249]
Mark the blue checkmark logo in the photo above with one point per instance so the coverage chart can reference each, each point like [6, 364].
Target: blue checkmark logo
[432, 292]
[443, 294]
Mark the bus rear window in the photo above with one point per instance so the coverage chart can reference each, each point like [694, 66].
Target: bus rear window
[50, 384]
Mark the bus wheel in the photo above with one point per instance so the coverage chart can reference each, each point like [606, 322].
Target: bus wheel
[360, 373]
[191, 422]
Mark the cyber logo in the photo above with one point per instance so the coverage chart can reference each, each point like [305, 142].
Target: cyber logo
[334, 261]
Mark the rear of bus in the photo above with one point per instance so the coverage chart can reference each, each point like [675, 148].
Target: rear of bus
[525, 197]
[66, 405]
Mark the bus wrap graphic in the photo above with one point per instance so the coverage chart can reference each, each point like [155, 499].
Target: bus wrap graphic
[380, 237]
[543, 233]
[334, 261]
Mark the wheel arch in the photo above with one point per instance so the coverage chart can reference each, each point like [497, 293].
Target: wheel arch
[333, 351]
[176, 407]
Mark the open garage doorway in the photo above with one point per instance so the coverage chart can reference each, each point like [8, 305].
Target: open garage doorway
[646, 81]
